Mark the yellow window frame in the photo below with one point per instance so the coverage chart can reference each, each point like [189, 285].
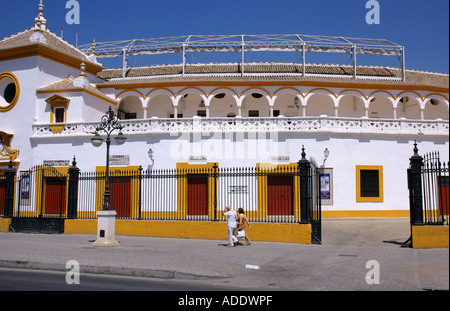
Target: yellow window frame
[57, 101]
[380, 197]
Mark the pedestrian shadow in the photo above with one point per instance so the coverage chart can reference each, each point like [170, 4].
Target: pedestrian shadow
[395, 242]
[226, 244]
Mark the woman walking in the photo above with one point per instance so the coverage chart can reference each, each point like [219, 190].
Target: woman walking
[241, 221]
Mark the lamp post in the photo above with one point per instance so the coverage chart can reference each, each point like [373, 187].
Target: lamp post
[150, 155]
[109, 124]
[326, 154]
[106, 217]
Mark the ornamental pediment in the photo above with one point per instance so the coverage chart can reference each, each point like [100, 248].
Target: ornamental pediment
[6, 152]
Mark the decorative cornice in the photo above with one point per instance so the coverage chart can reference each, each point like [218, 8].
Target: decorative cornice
[48, 53]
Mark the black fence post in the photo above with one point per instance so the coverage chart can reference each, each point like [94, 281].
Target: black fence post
[140, 193]
[415, 187]
[10, 175]
[72, 203]
[304, 168]
[215, 175]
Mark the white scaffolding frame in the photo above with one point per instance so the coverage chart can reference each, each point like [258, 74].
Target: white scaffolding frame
[247, 43]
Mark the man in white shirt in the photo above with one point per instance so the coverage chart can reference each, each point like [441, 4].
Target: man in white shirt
[232, 218]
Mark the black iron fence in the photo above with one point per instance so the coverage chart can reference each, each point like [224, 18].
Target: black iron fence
[2, 194]
[43, 196]
[435, 182]
[428, 181]
[266, 193]
[41, 192]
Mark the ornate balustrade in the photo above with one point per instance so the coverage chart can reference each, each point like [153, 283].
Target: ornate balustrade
[280, 124]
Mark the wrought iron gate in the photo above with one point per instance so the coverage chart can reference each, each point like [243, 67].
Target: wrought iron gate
[41, 202]
[428, 184]
[310, 196]
[316, 206]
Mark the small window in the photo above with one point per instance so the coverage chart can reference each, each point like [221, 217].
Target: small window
[276, 113]
[179, 116]
[130, 115]
[122, 115]
[60, 114]
[10, 93]
[369, 183]
[253, 113]
[201, 113]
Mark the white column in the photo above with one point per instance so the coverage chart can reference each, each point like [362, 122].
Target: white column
[106, 229]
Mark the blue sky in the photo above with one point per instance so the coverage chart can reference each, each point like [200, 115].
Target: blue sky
[422, 26]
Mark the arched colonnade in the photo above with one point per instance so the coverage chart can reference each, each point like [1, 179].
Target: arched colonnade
[286, 101]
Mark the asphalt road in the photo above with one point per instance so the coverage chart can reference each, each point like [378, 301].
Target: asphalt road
[35, 280]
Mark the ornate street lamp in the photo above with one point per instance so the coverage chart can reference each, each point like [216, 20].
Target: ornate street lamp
[150, 155]
[109, 124]
[326, 154]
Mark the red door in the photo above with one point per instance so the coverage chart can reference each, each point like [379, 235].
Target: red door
[197, 195]
[443, 194]
[279, 195]
[120, 196]
[2, 197]
[55, 196]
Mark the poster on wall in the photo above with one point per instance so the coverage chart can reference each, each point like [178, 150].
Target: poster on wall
[326, 186]
[25, 187]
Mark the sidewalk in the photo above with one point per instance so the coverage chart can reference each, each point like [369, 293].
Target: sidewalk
[338, 264]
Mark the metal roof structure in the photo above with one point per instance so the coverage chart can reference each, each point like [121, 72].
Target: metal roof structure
[245, 43]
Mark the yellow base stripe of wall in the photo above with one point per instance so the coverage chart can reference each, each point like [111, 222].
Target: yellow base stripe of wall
[4, 224]
[290, 233]
[430, 237]
[371, 213]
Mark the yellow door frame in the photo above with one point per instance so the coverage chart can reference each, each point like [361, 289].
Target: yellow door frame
[184, 169]
[266, 169]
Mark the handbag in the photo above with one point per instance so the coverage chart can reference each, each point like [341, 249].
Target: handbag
[240, 235]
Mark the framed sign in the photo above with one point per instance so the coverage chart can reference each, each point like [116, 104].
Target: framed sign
[238, 189]
[326, 186]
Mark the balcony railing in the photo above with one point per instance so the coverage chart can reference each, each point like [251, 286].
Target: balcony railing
[279, 124]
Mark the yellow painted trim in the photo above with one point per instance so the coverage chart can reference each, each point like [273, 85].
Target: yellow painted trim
[256, 88]
[131, 91]
[4, 224]
[6, 163]
[381, 91]
[430, 236]
[320, 89]
[122, 171]
[262, 171]
[48, 53]
[40, 174]
[81, 226]
[409, 91]
[184, 168]
[432, 95]
[288, 233]
[352, 90]
[319, 84]
[192, 88]
[17, 84]
[365, 213]
[297, 92]
[57, 101]
[378, 168]
[74, 90]
[13, 153]
[158, 89]
[223, 88]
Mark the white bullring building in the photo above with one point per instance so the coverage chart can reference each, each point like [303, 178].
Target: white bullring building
[245, 114]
